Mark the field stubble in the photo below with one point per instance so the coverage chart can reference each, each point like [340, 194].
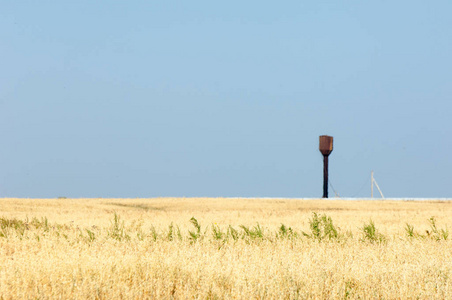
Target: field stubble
[224, 248]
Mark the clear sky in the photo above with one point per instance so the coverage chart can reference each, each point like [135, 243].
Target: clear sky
[209, 98]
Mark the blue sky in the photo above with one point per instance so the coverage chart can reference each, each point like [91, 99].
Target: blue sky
[199, 98]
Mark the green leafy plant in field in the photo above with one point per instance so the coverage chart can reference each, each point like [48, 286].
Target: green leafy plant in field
[217, 234]
[258, 231]
[322, 227]
[43, 224]
[233, 233]
[88, 238]
[409, 229]
[140, 234]
[252, 233]
[7, 225]
[371, 234]
[154, 234]
[285, 232]
[437, 233]
[91, 236]
[315, 226]
[117, 229]
[196, 234]
[171, 232]
[178, 233]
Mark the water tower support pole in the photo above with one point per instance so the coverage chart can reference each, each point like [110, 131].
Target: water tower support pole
[325, 176]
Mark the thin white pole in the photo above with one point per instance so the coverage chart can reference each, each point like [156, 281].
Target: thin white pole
[371, 184]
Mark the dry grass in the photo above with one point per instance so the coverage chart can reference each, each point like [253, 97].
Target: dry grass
[149, 248]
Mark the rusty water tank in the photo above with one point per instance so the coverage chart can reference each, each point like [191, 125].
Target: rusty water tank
[326, 144]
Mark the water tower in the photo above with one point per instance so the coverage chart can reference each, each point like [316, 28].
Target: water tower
[325, 147]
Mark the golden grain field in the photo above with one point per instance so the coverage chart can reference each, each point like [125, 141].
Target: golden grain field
[215, 248]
